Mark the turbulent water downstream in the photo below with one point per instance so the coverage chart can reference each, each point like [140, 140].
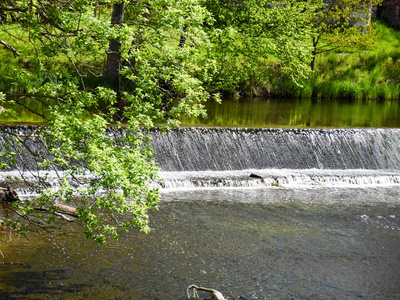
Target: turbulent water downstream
[318, 219]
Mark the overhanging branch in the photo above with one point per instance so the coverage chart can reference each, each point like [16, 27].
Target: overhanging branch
[4, 8]
[9, 47]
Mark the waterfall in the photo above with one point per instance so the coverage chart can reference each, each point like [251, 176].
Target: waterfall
[214, 158]
[200, 149]
[222, 149]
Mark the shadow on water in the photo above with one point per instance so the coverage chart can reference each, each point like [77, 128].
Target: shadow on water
[37, 284]
[284, 249]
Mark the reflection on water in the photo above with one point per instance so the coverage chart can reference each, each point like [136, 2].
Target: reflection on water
[258, 112]
[342, 243]
[24, 115]
[299, 113]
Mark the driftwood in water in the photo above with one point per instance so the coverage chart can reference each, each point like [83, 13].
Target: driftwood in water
[8, 195]
[192, 293]
[63, 211]
[69, 210]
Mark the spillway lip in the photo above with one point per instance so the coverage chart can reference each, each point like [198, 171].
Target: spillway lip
[184, 128]
[288, 127]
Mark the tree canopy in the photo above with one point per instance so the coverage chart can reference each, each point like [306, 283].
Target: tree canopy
[130, 65]
[68, 51]
[249, 35]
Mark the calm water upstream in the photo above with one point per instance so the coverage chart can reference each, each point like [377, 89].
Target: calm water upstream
[257, 112]
[299, 113]
[323, 223]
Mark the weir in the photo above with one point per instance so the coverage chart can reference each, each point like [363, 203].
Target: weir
[224, 149]
[323, 220]
[200, 149]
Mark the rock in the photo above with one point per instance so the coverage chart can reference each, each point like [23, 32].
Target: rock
[8, 195]
[257, 176]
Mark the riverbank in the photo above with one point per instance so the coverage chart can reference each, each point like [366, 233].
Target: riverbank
[369, 74]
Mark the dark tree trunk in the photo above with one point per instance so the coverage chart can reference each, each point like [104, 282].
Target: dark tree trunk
[314, 53]
[312, 64]
[182, 40]
[113, 63]
[8, 195]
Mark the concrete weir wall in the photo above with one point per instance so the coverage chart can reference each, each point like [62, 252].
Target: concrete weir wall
[201, 149]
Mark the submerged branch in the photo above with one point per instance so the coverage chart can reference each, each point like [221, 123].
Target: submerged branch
[192, 293]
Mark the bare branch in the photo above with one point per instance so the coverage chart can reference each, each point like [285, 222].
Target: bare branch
[30, 110]
[194, 288]
[9, 47]
[3, 8]
[77, 72]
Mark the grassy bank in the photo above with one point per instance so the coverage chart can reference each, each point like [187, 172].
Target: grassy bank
[372, 74]
[360, 75]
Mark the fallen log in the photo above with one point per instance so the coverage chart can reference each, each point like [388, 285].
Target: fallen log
[8, 195]
[65, 212]
[63, 215]
[68, 210]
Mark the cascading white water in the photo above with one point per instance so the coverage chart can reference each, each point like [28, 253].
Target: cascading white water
[198, 158]
[200, 149]
[285, 178]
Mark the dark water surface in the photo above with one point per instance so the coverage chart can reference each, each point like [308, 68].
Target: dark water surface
[259, 112]
[247, 243]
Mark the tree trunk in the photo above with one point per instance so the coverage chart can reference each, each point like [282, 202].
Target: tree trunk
[312, 64]
[8, 195]
[314, 53]
[182, 39]
[113, 63]
[369, 13]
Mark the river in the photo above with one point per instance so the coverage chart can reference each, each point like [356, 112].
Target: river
[321, 220]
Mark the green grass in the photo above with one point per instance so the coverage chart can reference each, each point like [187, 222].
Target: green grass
[27, 71]
[372, 74]
[360, 75]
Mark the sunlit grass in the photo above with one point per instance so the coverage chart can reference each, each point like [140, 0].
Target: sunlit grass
[372, 74]
[368, 75]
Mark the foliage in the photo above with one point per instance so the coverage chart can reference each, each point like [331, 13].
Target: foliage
[358, 75]
[251, 36]
[343, 23]
[105, 173]
[133, 65]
